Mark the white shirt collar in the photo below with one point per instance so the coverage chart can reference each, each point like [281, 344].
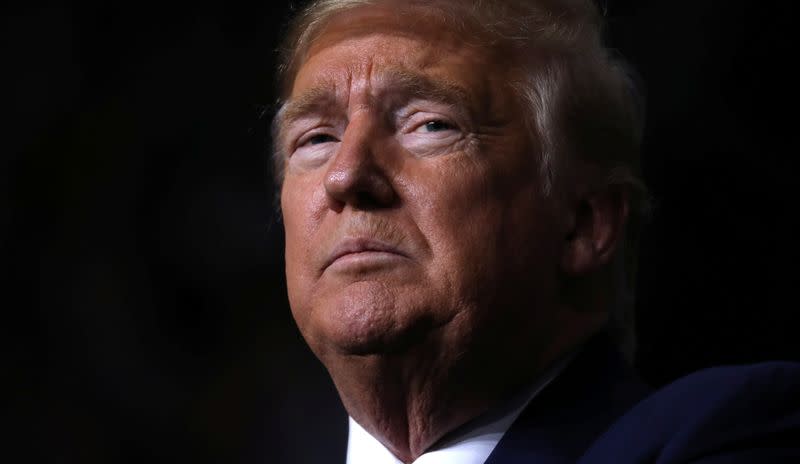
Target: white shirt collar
[471, 445]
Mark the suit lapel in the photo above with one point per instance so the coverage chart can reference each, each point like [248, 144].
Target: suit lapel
[560, 423]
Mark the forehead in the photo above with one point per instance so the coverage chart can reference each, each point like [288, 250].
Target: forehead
[371, 44]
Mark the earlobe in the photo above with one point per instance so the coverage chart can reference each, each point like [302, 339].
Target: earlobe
[597, 226]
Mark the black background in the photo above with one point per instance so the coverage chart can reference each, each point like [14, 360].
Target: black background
[145, 303]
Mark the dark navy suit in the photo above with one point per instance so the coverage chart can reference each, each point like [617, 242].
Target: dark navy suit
[598, 411]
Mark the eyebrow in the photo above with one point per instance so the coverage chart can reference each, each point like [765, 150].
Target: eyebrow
[398, 84]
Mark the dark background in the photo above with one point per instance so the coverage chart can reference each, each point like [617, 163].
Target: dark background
[145, 303]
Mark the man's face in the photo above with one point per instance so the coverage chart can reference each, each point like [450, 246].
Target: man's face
[411, 198]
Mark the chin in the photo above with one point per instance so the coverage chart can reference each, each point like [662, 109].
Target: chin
[365, 318]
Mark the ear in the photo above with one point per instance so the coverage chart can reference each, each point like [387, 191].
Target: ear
[596, 228]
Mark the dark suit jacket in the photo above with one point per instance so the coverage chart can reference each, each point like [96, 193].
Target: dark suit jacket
[598, 411]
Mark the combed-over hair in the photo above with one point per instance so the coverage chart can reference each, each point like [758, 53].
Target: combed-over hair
[584, 108]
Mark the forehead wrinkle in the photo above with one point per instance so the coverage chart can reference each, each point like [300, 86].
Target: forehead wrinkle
[321, 99]
[407, 84]
[395, 84]
[317, 99]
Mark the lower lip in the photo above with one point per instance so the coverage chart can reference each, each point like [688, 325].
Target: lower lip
[365, 261]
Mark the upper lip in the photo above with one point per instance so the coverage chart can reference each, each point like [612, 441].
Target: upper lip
[360, 245]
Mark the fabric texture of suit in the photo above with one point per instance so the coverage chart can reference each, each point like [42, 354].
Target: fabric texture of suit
[598, 411]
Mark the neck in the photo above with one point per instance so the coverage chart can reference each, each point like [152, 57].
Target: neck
[407, 414]
[409, 401]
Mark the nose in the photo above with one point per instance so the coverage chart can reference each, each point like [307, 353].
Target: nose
[358, 176]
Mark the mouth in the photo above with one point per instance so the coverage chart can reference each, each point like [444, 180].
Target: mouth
[360, 252]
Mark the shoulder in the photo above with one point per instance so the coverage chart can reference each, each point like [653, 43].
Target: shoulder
[725, 414]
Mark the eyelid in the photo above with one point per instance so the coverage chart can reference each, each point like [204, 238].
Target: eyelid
[414, 120]
[304, 138]
[298, 131]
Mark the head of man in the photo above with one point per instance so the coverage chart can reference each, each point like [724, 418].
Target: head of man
[454, 194]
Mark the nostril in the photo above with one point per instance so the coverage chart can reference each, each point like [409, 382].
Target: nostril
[381, 196]
[364, 201]
[364, 188]
[360, 181]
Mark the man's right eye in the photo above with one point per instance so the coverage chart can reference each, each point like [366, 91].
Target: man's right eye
[314, 147]
[316, 139]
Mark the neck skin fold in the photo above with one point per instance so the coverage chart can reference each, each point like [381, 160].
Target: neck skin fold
[409, 403]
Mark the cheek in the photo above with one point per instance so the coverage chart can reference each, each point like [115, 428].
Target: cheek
[460, 216]
[302, 218]
[291, 211]
[302, 208]
[482, 227]
[303, 205]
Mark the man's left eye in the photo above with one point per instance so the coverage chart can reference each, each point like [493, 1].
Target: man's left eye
[437, 126]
